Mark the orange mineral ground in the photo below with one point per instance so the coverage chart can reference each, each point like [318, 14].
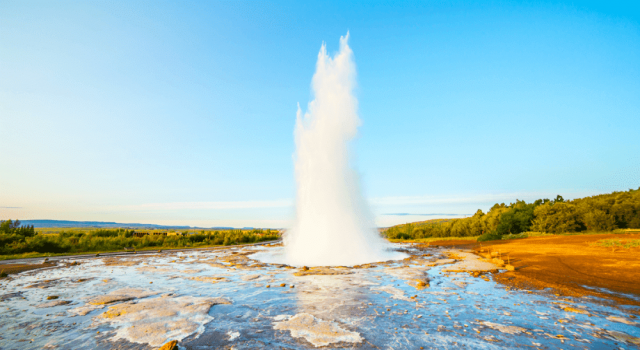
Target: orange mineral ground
[572, 265]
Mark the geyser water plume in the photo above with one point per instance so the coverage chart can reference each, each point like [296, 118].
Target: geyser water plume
[334, 225]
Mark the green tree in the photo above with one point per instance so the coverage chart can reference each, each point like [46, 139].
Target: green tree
[518, 218]
[556, 218]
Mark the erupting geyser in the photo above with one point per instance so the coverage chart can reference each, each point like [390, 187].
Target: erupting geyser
[334, 225]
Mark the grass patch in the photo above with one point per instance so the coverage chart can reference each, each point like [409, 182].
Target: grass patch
[433, 239]
[617, 243]
[582, 233]
[87, 230]
[515, 236]
[529, 234]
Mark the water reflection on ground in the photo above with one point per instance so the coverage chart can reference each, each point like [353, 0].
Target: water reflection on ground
[225, 299]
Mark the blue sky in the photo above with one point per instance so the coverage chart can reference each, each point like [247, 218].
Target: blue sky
[183, 112]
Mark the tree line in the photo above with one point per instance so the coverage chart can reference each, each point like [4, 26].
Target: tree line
[16, 239]
[605, 212]
[8, 227]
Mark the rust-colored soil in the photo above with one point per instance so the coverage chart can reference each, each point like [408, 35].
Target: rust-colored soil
[17, 268]
[571, 265]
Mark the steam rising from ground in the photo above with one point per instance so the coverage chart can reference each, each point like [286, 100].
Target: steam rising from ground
[334, 225]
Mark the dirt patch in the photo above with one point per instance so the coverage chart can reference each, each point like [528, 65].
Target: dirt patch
[571, 265]
[209, 279]
[46, 283]
[157, 269]
[237, 261]
[468, 262]
[462, 244]
[414, 276]
[118, 261]
[250, 277]
[321, 270]
[618, 336]
[502, 328]
[17, 268]
[236, 258]
[622, 320]
[54, 303]
[124, 294]
[394, 292]
[116, 296]
[9, 296]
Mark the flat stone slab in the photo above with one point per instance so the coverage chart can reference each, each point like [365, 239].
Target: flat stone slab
[468, 262]
[316, 331]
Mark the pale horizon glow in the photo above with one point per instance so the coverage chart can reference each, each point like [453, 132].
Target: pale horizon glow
[426, 207]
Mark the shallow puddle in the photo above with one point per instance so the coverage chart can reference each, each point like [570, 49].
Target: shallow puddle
[225, 299]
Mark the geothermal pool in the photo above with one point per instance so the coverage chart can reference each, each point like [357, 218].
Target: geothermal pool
[219, 299]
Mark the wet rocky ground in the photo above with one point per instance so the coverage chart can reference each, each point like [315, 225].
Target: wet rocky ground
[224, 299]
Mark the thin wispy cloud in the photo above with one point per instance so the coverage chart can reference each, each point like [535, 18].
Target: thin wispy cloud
[434, 214]
[458, 199]
[283, 203]
[380, 201]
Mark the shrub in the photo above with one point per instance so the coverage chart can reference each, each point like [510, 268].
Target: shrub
[490, 236]
[515, 236]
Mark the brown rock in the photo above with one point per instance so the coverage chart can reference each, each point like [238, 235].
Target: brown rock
[172, 345]
[209, 279]
[419, 283]
[54, 303]
[51, 297]
[125, 294]
[323, 271]
[578, 311]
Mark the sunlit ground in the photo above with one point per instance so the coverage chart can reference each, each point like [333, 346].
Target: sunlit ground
[225, 299]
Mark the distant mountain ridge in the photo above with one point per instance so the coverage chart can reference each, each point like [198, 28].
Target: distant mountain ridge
[103, 224]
